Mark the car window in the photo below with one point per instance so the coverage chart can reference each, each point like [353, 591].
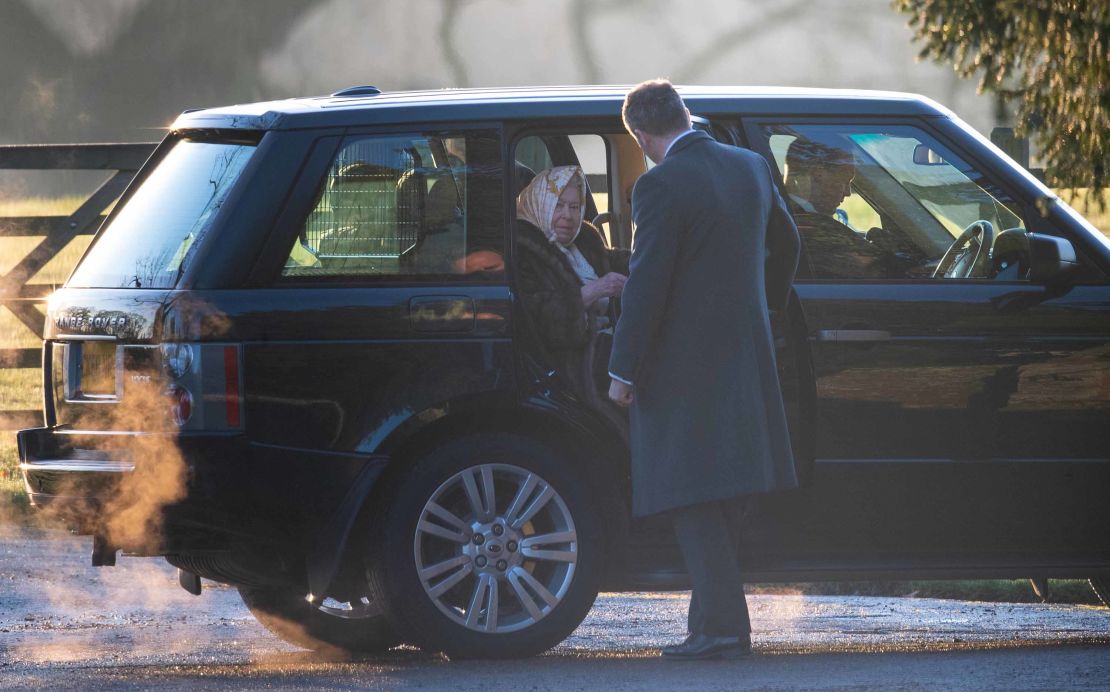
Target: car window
[593, 157]
[426, 206]
[889, 202]
[531, 153]
[151, 239]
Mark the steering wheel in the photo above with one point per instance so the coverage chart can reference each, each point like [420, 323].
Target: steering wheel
[960, 262]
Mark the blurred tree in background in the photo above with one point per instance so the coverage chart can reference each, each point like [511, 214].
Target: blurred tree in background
[158, 59]
[1050, 57]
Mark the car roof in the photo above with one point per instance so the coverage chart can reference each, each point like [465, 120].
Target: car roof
[512, 103]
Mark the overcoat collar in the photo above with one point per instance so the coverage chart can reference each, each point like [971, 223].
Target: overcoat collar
[686, 141]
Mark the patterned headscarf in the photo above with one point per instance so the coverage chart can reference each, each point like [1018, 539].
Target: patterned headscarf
[536, 203]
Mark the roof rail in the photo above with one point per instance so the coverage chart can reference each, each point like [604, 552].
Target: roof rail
[365, 90]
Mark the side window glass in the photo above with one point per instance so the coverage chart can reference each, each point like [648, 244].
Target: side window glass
[425, 206]
[891, 202]
[593, 156]
[532, 156]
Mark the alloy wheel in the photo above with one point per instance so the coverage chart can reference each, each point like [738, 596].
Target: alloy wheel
[495, 548]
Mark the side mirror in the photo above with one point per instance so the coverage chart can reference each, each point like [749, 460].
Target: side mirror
[1051, 259]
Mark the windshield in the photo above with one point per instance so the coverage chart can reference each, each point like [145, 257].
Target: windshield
[150, 240]
[951, 190]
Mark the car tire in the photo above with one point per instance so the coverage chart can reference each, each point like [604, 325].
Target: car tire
[471, 576]
[318, 627]
[1101, 586]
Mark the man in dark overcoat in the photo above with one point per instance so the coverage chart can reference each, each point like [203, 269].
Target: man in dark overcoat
[693, 353]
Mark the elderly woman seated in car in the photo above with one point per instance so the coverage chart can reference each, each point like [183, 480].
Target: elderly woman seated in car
[567, 275]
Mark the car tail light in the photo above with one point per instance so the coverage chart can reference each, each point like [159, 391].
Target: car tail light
[181, 404]
[231, 385]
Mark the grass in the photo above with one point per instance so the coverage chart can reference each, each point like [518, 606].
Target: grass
[13, 500]
[56, 271]
[14, 334]
[1078, 199]
[41, 206]
[22, 389]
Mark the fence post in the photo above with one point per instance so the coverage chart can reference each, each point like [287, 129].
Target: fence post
[23, 299]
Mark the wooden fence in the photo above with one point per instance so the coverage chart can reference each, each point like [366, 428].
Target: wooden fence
[25, 299]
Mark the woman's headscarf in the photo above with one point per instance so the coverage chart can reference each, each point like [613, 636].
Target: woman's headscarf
[536, 202]
[536, 205]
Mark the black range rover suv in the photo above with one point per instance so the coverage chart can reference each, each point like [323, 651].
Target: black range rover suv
[293, 361]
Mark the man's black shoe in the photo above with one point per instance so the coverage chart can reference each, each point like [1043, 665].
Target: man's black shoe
[699, 647]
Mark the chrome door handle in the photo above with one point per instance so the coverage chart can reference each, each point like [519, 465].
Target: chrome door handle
[853, 335]
[442, 313]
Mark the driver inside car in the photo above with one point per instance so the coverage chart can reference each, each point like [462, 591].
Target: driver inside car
[818, 177]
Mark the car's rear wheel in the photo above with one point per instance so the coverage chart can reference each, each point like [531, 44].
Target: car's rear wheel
[1101, 586]
[329, 626]
[489, 547]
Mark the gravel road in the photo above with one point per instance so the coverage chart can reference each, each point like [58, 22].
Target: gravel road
[64, 623]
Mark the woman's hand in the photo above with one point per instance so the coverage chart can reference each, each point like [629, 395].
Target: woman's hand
[608, 286]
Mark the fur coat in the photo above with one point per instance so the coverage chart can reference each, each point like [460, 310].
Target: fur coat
[551, 293]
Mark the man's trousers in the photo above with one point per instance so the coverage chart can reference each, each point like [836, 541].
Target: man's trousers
[708, 534]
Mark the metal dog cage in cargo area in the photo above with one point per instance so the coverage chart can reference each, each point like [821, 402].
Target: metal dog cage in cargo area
[372, 205]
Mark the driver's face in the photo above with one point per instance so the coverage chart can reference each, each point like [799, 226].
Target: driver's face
[829, 185]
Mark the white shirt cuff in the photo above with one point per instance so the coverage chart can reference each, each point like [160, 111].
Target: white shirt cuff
[618, 378]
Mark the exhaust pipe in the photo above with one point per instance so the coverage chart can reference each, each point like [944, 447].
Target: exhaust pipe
[103, 552]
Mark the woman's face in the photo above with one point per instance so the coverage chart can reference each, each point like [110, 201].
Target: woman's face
[568, 210]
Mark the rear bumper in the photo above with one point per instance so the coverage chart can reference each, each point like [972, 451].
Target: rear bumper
[218, 491]
[47, 465]
[143, 492]
[66, 467]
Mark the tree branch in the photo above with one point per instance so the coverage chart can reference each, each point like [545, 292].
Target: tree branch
[582, 12]
[723, 44]
[451, 53]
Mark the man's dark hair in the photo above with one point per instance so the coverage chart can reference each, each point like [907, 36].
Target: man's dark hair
[806, 153]
[654, 107]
